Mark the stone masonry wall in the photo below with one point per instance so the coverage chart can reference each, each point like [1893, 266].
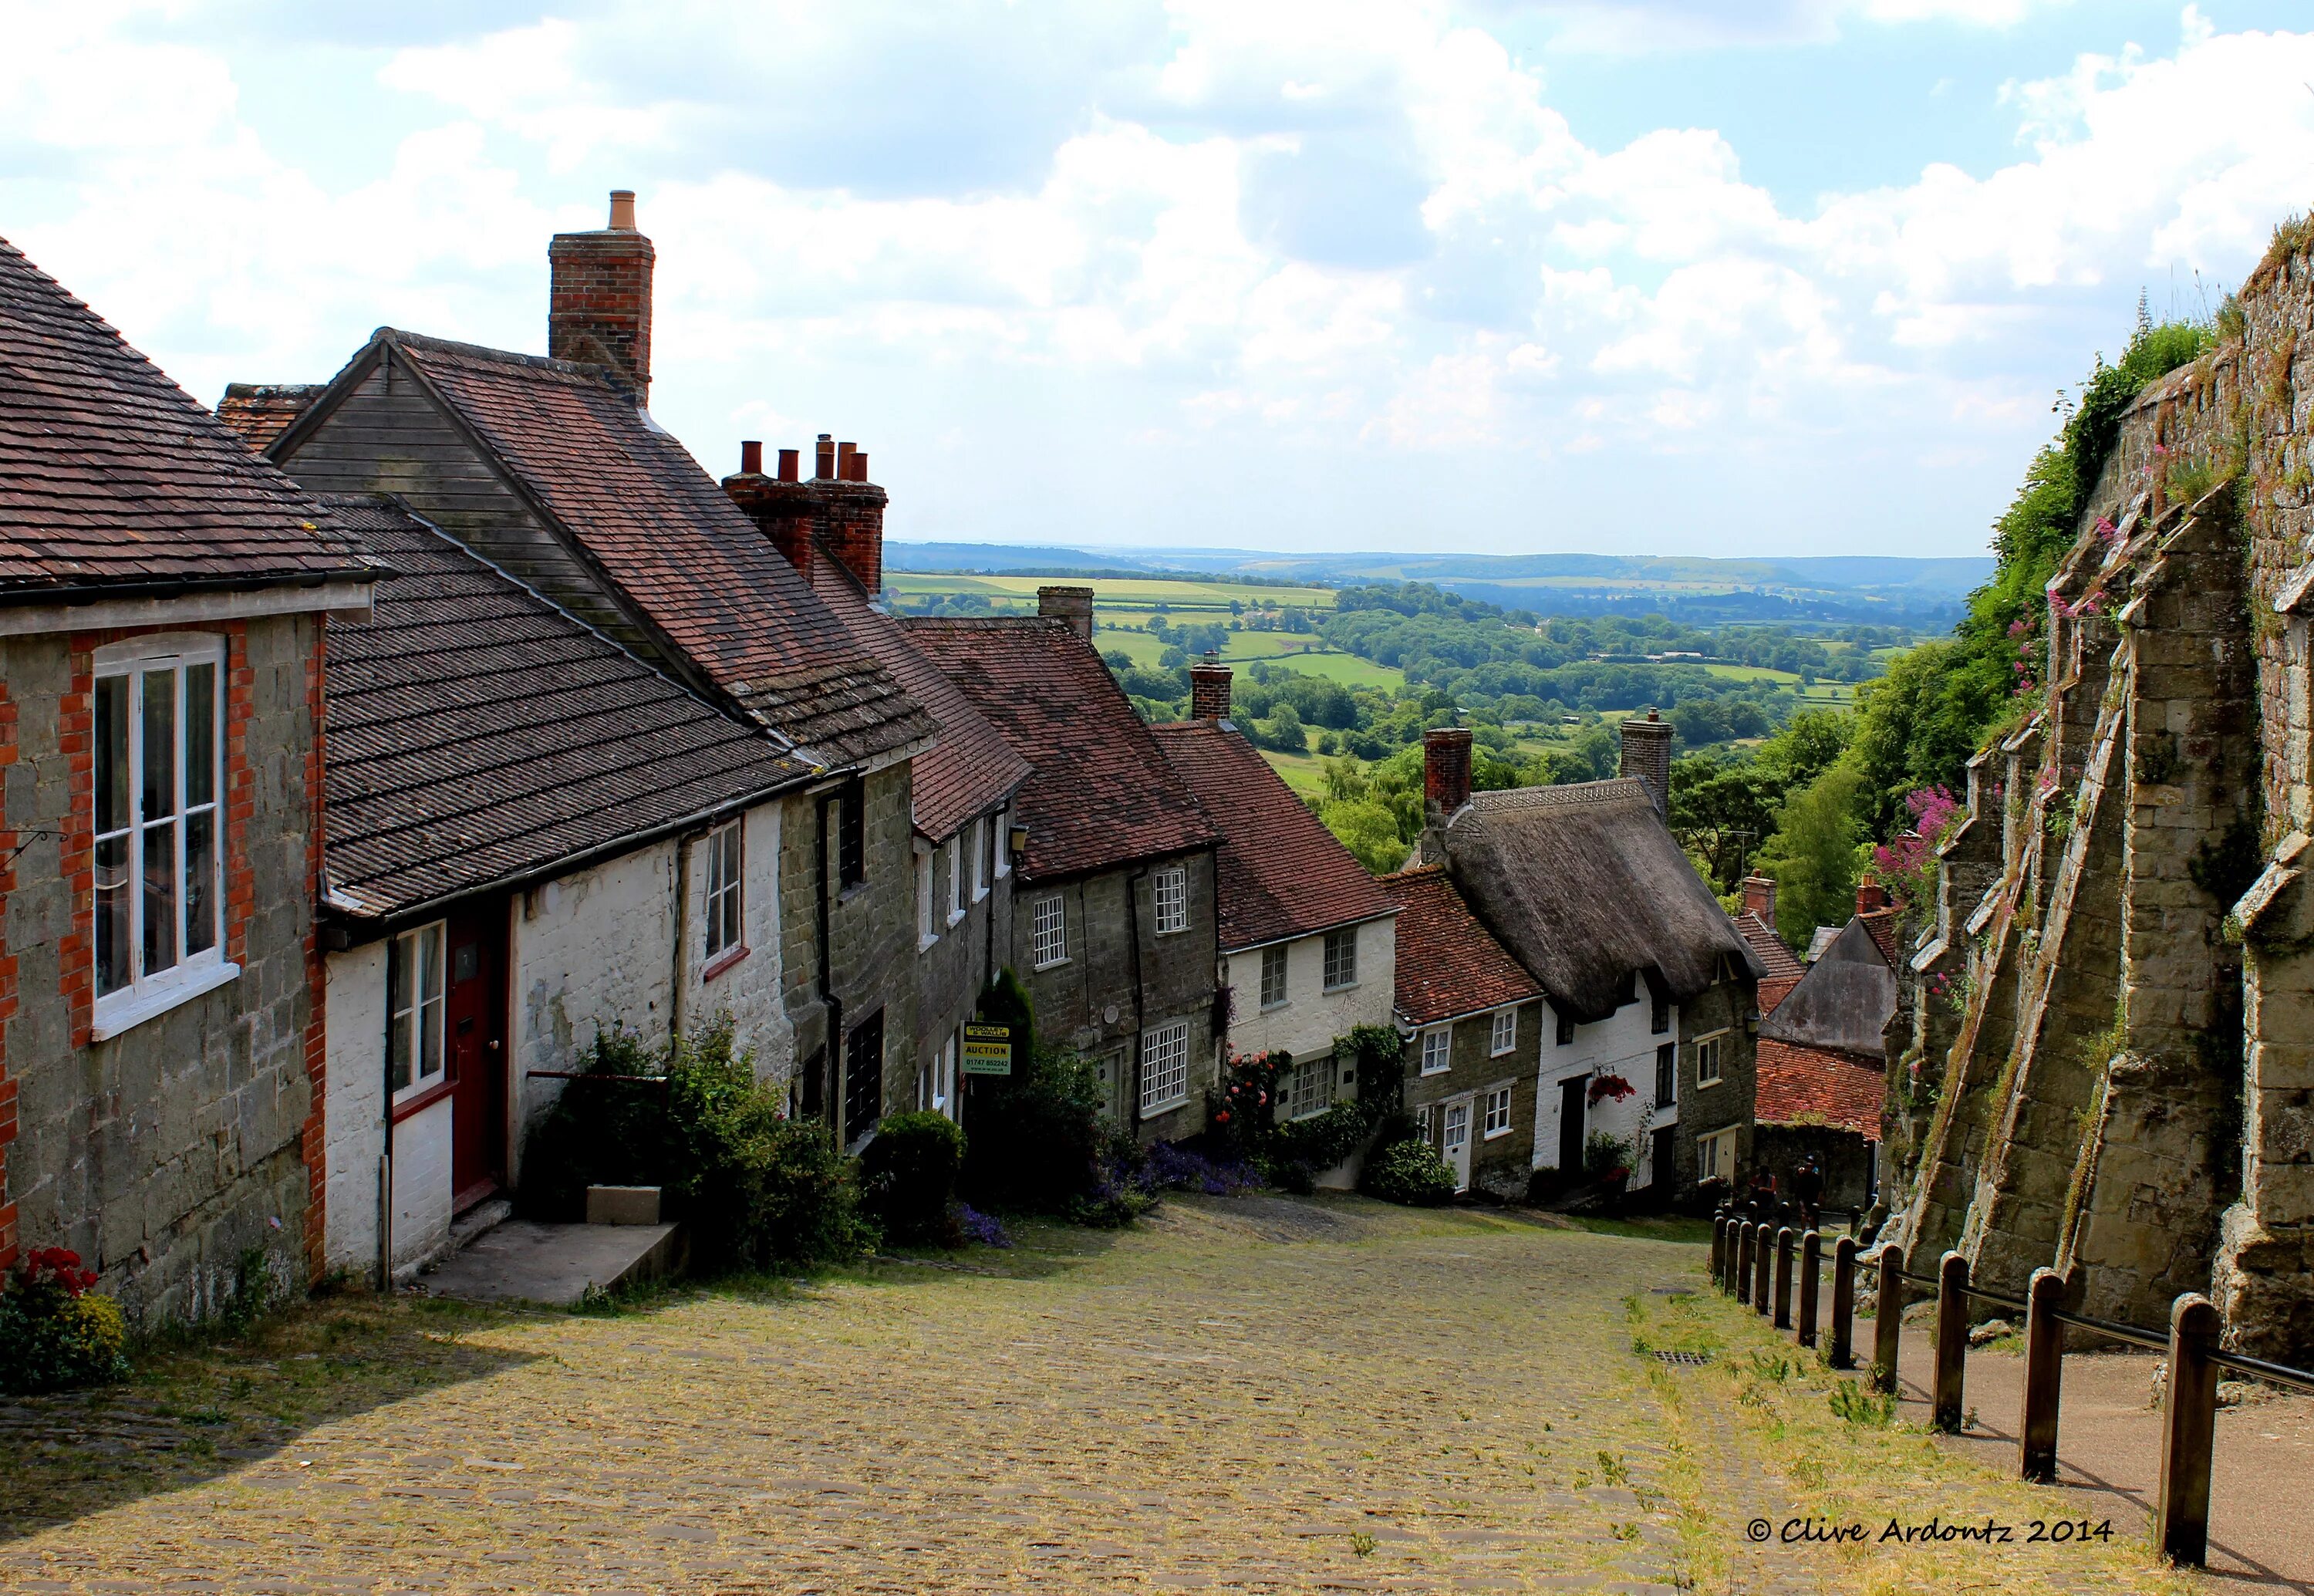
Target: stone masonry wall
[167, 1154]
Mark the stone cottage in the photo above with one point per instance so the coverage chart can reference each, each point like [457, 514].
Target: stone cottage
[1114, 925]
[1307, 941]
[163, 601]
[550, 469]
[1651, 987]
[1475, 1022]
[530, 837]
[831, 530]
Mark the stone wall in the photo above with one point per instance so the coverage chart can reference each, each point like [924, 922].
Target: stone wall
[1500, 1164]
[169, 1153]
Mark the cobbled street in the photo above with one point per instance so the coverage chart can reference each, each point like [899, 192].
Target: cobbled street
[1259, 1394]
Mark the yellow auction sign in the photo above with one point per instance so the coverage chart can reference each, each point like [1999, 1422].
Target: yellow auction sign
[987, 1049]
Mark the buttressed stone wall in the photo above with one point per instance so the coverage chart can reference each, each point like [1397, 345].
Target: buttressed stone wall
[2111, 1062]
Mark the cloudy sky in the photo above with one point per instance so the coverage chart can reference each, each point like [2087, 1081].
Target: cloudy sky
[1719, 276]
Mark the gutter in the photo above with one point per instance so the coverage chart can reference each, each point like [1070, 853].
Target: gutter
[180, 586]
[1133, 934]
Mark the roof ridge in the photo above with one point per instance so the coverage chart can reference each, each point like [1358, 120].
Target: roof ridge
[585, 370]
[1571, 792]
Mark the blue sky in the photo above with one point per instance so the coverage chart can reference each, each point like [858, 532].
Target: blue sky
[1677, 277]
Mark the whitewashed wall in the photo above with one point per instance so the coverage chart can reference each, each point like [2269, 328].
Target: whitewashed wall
[1623, 1044]
[353, 1130]
[1312, 1017]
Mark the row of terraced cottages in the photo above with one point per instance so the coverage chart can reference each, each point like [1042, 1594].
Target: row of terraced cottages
[370, 748]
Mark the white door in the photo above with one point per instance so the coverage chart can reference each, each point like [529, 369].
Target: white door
[1458, 1142]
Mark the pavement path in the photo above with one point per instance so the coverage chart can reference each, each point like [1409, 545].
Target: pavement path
[1261, 1394]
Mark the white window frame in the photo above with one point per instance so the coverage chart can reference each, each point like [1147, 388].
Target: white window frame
[1498, 1113]
[1277, 952]
[1709, 1150]
[1710, 1046]
[1345, 967]
[414, 1029]
[1170, 887]
[956, 904]
[149, 991]
[1048, 931]
[725, 874]
[980, 832]
[1164, 1068]
[1438, 1042]
[1503, 1035]
[926, 934]
[1003, 846]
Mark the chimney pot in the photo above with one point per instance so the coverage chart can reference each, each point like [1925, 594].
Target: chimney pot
[1446, 768]
[599, 298]
[843, 453]
[622, 210]
[1072, 604]
[1209, 692]
[790, 464]
[751, 457]
[860, 465]
[823, 460]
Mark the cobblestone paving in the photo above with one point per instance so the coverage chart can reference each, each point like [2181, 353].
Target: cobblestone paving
[1242, 1394]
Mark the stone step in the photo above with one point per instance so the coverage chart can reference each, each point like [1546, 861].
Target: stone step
[521, 1260]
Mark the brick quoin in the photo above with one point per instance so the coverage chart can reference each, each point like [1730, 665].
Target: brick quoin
[8, 845]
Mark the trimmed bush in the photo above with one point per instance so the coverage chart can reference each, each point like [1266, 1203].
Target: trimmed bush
[55, 1333]
[907, 1180]
[1410, 1172]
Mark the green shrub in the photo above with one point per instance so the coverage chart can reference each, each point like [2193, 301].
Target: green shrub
[56, 1333]
[754, 1186]
[1410, 1172]
[1039, 1143]
[907, 1180]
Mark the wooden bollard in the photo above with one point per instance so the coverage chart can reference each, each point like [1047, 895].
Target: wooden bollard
[1784, 1278]
[1720, 1247]
[2045, 1367]
[1811, 1268]
[1952, 1341]
[2189, 1432]
[1888, 1322]
[1764, 1263]
[1842, 1353]
[1742, 1251]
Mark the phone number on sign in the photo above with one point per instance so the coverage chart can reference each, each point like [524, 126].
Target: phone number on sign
[1935, 1531]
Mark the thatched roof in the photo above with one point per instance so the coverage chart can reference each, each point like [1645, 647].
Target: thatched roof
[1588, 888]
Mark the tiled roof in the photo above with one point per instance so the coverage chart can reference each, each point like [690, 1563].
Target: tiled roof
[1448, 963]
[971, 769]
[110, 474]
[1844, 1002]
[644, 513]
[1774, 990]
[1585, 885]
[477, 733]
[1815, 1086]
[262, 411]
[1780, 962]
[1099, 793]
[1282, 873]
[1881, 924]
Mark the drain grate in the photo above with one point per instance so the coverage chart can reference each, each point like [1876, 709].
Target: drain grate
[1672, 1291]
[1684, 1357]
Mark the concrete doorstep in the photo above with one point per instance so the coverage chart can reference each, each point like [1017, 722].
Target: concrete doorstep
[522, 1260]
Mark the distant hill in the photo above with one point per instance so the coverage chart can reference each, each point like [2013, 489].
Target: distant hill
[1805, 588]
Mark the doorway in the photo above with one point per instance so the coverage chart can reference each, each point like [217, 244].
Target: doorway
[475, 1018]
[1570, 1123]
[1457, 1142]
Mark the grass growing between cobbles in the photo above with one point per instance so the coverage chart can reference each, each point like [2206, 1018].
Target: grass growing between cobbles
[1837, 1461]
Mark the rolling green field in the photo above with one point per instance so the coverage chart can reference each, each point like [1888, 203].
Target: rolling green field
[1117, 593]
[1294, 650]
[1303, 773]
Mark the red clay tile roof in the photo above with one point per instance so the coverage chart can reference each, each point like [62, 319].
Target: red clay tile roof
[1780, 961]
[642, 512]
[262, 411]
[1815, 1086]
[1448, 963]
[1100, 793]
[971, 769]
[110, 474]
[1774, 990]
[1881, 923]
[1281, 872]
[477, 733]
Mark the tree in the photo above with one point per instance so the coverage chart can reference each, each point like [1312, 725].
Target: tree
[1817, 854]
[1721, 810]
[1369, 830]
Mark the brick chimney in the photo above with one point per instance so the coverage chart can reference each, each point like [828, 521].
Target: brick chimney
[849, 509]
[1647, 754]
[1446, 768]
[599, 306]
[1072, 604]
[1209, 692]
[783, 509]
[1759, 897]
[1870, 896]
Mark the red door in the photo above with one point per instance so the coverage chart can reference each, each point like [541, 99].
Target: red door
[475, 1016]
